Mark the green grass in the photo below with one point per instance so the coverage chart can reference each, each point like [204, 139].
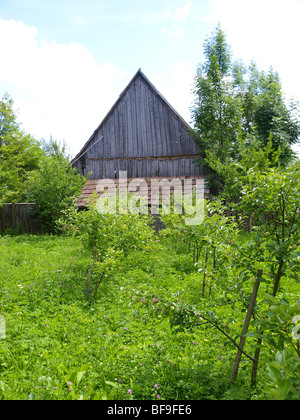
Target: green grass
[59, 346]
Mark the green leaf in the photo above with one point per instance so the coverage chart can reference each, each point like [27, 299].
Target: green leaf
[251, 334]
[113, 384]
[274, 374]
[280, 357]
[284, 388]
[296, 332]
[31, 397]
[80, 376]
[101, 395]
[274, 393]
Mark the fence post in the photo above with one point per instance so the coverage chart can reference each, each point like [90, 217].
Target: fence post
[2, 221]
[13, 215]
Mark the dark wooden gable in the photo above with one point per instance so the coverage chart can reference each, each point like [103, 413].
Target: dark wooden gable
[143, 135]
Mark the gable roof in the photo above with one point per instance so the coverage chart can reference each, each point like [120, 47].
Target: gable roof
[192, 148]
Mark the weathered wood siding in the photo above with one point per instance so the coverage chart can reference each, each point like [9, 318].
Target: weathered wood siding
[19, 217]
[142, 135]
[143, 167]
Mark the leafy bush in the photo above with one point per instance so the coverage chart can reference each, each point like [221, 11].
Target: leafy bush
[53, 188]
[177, 309]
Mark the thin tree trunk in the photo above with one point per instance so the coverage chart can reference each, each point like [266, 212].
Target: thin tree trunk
[259, 340]
[98, 284]
[278, 277]
[204, 275]
[88, 285]
[214, 267]
[255, 361]
[246, 326]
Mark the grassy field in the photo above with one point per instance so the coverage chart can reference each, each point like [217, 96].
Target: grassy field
[60, 346]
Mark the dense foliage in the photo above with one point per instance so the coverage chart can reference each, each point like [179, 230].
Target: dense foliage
[116, 307]
[235, 103]
[165, 321]
[114, 310]
[53, 187]
[20, 155]
[32, 171]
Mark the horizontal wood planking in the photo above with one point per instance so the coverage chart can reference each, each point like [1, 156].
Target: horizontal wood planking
[144, 167]
[140, 125]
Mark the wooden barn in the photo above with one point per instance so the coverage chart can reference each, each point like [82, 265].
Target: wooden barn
[143, 135]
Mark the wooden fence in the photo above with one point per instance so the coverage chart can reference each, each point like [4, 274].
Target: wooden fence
[18, 218]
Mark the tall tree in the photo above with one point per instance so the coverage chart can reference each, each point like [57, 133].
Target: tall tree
[233, 100]
[217, 110]
[265, 113]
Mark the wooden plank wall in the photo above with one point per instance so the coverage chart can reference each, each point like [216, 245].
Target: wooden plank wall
[144, 167]
[140, 128]
[20, 218]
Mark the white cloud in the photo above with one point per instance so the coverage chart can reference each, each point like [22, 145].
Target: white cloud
[180, 88]
[177, 19]
[59, 89]
[266, 31]
[176, 82]
[182, 13]
[176, 32]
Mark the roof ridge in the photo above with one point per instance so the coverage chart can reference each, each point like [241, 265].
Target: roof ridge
[153, 88]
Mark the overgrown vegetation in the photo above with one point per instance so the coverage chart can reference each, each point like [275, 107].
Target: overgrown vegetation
[165, 321]
[54, 186]
[20, 155]
[113, 310]
[35, 171]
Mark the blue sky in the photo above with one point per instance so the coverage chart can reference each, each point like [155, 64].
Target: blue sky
[65, 62]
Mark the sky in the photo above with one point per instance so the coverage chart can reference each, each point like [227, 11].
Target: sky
[65, 62]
